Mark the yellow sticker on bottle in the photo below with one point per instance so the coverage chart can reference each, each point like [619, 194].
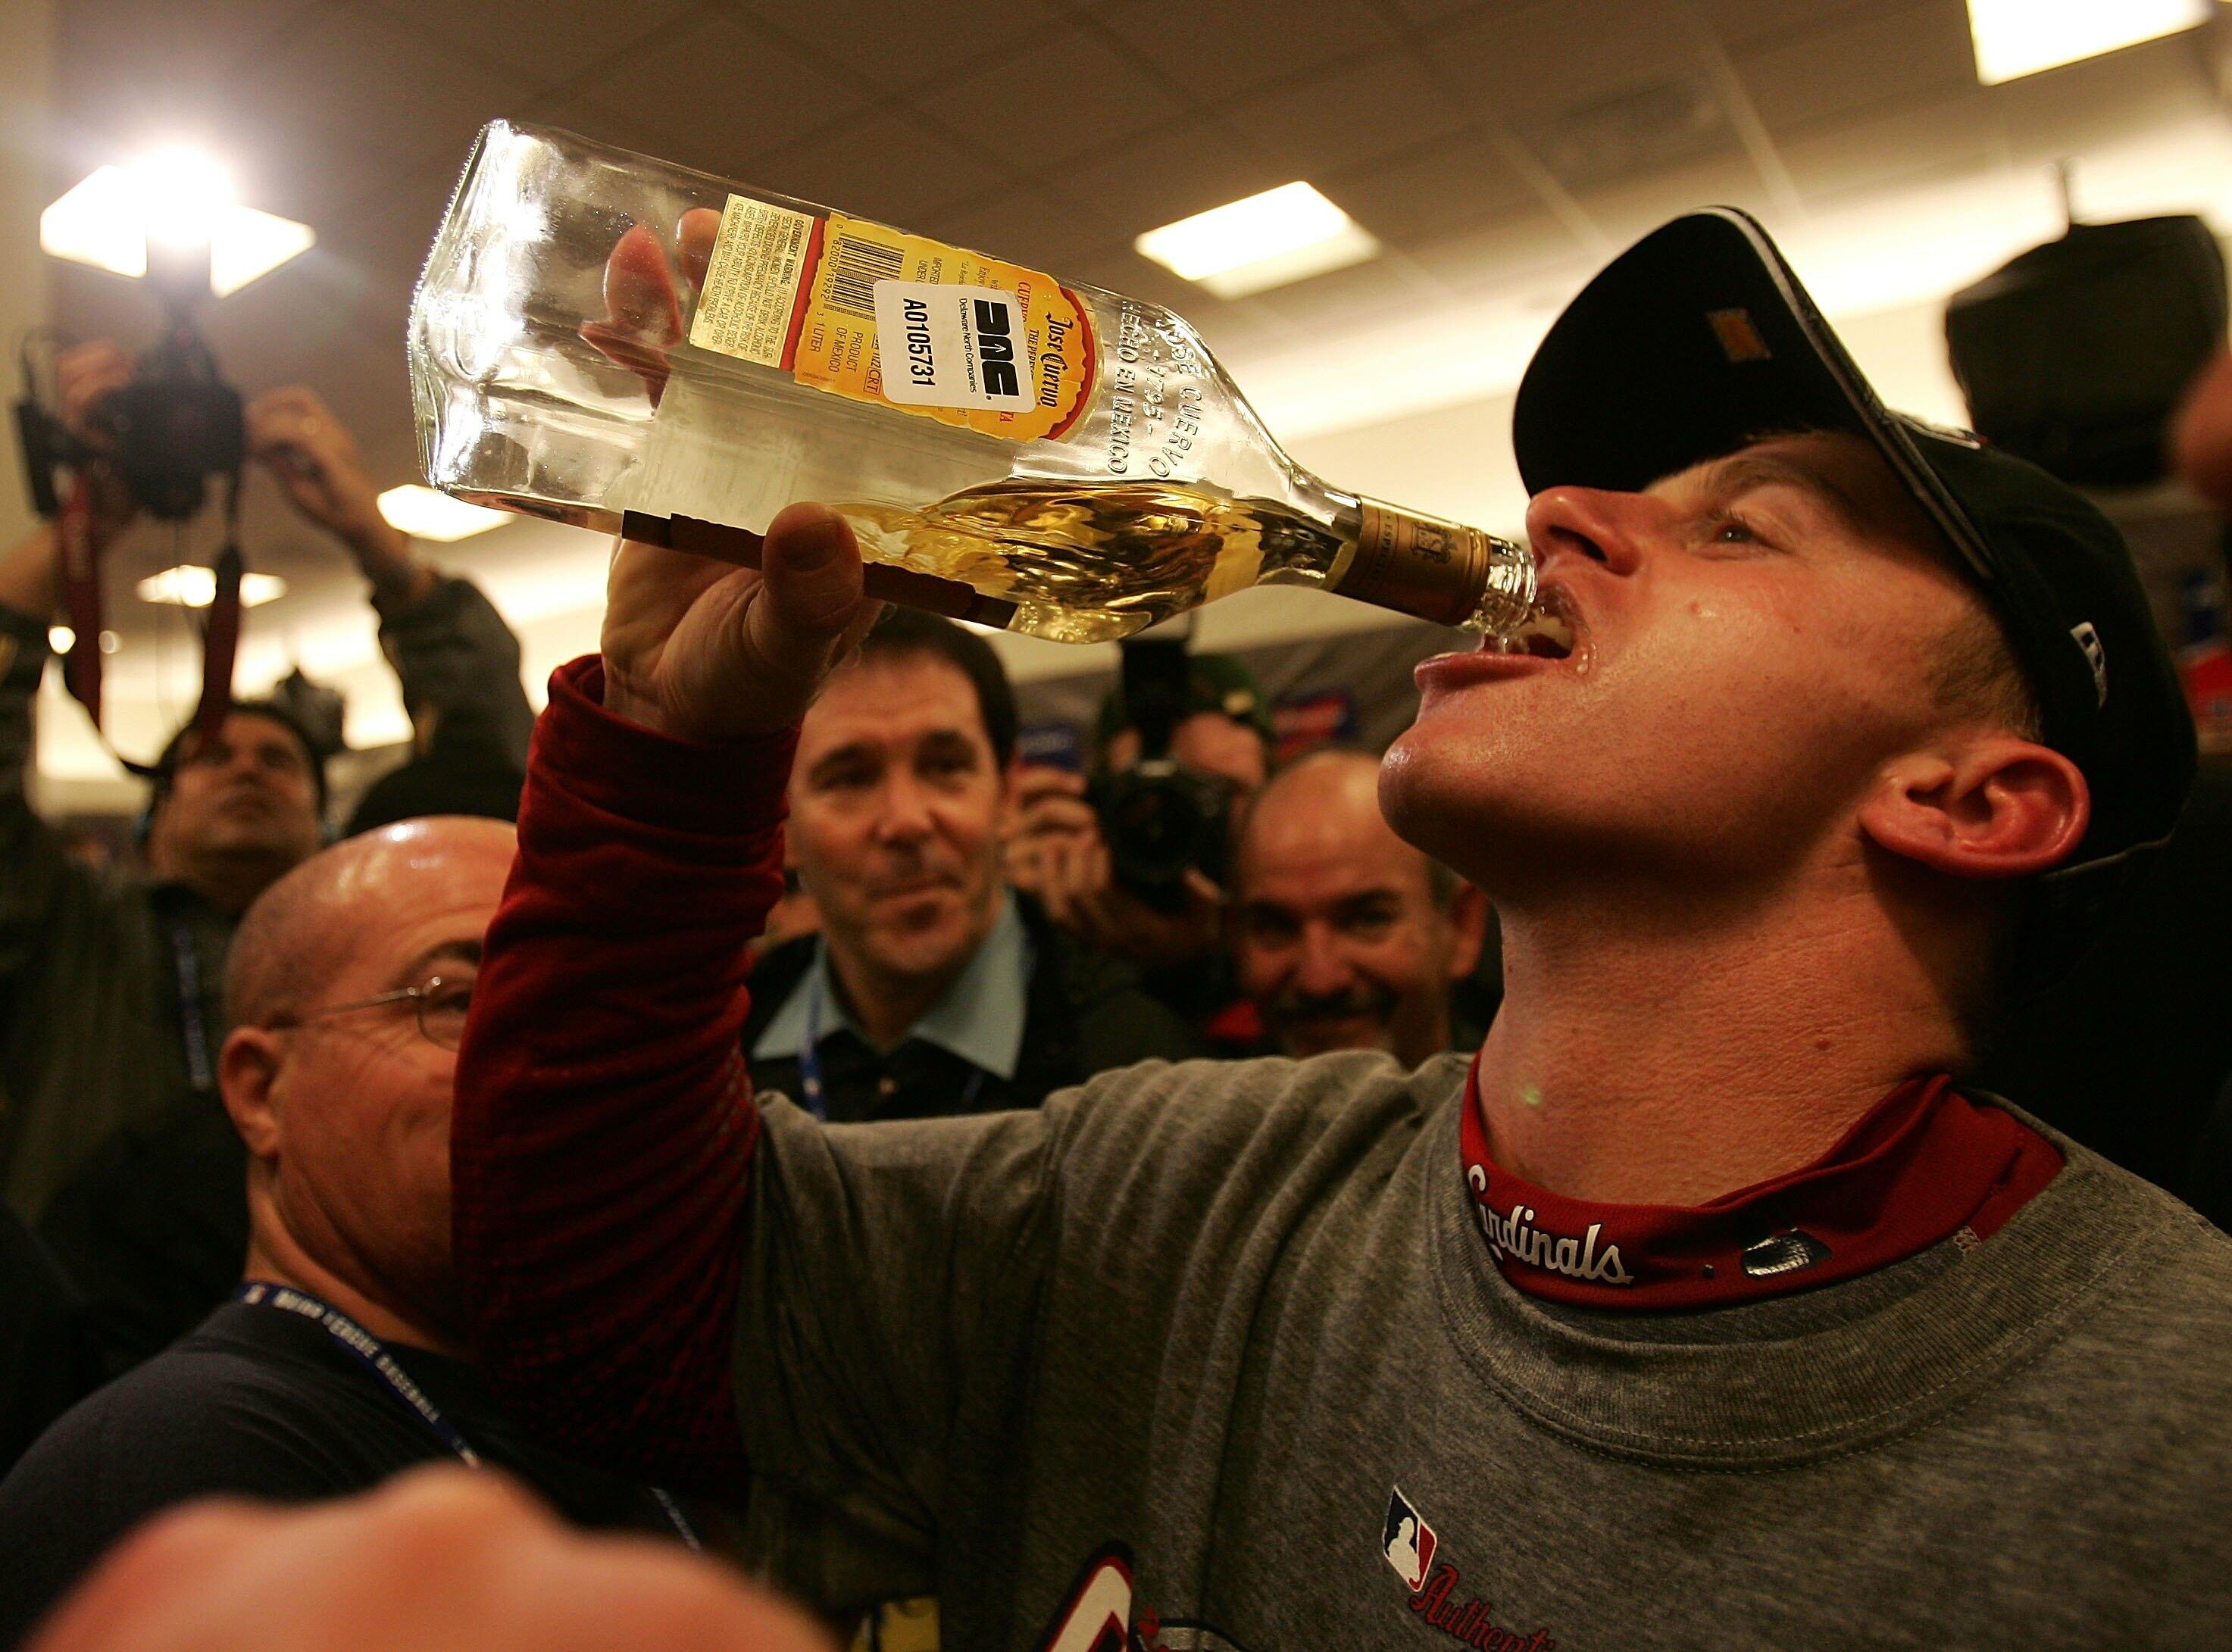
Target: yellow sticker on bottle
[905, 321]
[752, 279]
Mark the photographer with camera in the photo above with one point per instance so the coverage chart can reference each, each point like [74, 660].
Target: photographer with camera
[932, 987]
[1133, 861]
[112, 1141]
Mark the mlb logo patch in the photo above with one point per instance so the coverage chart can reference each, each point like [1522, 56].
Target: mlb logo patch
[1408, 1542]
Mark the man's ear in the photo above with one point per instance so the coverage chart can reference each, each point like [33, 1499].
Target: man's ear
[1995, 807]
[247, 1069]
[1469, 930]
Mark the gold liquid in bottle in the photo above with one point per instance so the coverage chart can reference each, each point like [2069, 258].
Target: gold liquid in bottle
[1088, 562]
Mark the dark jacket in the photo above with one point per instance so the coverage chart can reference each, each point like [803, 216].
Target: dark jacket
[126, 1165]
[1086, 1013]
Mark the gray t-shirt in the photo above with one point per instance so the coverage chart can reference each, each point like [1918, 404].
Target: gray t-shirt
[1219, 1344]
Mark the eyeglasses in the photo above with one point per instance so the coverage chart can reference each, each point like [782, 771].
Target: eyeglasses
[441, 1005]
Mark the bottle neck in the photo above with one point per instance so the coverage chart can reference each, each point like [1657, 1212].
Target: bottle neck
[1432, 567]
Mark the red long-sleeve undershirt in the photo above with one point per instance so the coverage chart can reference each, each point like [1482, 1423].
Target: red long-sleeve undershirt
[602, 1139]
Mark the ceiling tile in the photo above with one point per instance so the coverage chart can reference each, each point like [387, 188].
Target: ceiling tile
[1097, 97]
[1958, 132]
[1435, 190]
[721, 87]
[1433, 13]
[1339, 299]
[1506, 247]
[161, 55]
[353, 102]
[1759, 22]
[1517, 63]
[886, 164]
[1880, 58]
[965, 50]
[1339, 121]
[1644, 127]
[546, 43]
[1235, 45]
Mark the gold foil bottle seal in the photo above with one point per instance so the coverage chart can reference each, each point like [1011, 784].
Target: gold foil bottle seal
[1435, 569]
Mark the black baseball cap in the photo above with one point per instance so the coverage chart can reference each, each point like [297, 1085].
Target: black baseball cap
[1698, 340]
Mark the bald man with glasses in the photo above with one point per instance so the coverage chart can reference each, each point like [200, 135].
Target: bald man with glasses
[337, 1363]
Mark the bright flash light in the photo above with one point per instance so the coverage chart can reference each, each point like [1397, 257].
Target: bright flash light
[2018, 37]
[176, 198]
[183, 195]
[189, 586]
[424, 513]
[1248, 246]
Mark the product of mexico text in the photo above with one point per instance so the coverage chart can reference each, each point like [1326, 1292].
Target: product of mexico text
[618, 343]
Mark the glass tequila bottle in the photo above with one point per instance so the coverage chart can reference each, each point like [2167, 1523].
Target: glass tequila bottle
[619, 343]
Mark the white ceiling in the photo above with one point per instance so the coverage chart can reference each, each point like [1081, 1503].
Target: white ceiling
[1500, 150]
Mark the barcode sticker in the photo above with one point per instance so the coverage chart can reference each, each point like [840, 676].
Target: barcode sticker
[951, 347]
[856, 266]
[751, 281]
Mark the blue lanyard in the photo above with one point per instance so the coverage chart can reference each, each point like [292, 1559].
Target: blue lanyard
[811, 1088]
[370, 1352]
[193, 1025]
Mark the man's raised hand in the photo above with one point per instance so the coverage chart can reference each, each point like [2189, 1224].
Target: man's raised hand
[708, 651]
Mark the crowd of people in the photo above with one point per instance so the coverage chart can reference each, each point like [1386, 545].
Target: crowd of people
[797, 1141]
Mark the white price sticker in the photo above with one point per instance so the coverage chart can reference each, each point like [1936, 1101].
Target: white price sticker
[952, 347]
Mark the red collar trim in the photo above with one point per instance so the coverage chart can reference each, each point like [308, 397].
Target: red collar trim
[1924, 1165]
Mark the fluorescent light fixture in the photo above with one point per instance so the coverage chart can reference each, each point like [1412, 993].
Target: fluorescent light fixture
[2018, 37]
[189, 586]
[175, 197]
[424, 513]
[1283, 234]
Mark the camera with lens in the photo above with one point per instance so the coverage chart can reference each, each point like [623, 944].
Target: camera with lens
[177, 424]
[1159, 819]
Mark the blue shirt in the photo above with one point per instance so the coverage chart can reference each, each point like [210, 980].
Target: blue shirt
[980, 1017]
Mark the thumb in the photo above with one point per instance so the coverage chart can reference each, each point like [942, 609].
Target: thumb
[811, 587]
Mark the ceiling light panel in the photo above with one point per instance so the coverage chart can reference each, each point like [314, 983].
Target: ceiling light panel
[1269, 240]
[424, 513]
[189, 586]
[2018, 37]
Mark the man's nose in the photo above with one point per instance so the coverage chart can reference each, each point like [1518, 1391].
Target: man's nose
[1568, 525]
[1323, 970]
[905, 817]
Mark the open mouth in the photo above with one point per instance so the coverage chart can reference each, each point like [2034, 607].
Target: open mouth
[1546, 634]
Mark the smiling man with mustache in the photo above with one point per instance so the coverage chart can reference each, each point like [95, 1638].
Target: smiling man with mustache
[1344, 936]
